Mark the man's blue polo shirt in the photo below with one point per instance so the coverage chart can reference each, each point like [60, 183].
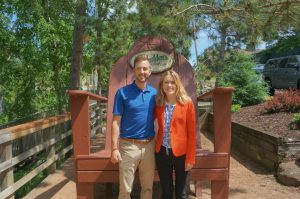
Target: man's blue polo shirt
[137, 110]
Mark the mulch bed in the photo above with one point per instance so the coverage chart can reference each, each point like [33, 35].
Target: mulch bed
[276, 123]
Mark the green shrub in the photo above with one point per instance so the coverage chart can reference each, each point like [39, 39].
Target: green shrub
[296, 120]
[238, 73]
[235, 108]
[29, 186]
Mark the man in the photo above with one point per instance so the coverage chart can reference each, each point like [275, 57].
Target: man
[133, 131]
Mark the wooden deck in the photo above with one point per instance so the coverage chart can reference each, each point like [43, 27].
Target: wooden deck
[247, 181]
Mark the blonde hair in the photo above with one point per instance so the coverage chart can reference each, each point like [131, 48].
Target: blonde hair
[181, 94]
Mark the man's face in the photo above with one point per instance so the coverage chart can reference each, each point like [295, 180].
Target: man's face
[142, 71]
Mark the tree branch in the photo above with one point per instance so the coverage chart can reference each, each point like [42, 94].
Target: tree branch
[196, 6]
[213, 10]
[279, 3]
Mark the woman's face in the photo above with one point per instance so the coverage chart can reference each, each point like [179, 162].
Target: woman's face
[169, 86]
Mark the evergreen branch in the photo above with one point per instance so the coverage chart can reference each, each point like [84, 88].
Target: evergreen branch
[200, 5]
[279, 3]
[214, 10]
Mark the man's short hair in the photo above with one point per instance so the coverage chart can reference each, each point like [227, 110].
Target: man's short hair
[140, 58]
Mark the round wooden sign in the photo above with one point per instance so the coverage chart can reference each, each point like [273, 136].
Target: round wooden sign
[159, 60]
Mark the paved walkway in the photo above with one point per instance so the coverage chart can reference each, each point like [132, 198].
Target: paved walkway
[247, 181]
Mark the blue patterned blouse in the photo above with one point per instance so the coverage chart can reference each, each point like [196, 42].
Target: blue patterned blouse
[167, 121]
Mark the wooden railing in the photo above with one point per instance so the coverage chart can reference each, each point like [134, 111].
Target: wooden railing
[20, 144]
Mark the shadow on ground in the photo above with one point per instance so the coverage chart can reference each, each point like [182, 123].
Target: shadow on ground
[51, 192]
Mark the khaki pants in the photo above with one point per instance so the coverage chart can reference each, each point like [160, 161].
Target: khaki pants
[141, 156]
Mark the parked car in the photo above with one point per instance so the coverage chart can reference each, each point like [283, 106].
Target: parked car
[282, 73]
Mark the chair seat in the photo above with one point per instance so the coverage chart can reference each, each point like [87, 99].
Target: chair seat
[206, 159]
[99, 161]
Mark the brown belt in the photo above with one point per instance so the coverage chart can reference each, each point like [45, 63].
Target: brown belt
[142, 141]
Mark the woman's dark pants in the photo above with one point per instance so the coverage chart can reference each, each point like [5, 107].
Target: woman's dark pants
[165, 163]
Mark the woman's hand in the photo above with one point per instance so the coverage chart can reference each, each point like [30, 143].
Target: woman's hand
[188, 166]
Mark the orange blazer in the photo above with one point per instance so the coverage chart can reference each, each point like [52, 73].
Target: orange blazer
[182, 130]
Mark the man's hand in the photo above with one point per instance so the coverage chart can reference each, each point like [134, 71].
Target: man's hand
[115, 132]
[188, 166]
[115, 156]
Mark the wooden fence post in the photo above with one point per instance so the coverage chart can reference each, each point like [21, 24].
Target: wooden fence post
[6, 176]
[51, 150]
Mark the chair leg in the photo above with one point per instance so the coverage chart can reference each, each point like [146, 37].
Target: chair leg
[198, 190]
[85, 190]
[108, 190]
[220, 189]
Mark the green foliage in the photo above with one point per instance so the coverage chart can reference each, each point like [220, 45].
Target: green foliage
[25, 167]
[113, 30]
[238, 73]
[284, 46]
[287, 43]
[296, 120]
[205, 78]
[109, 38]
[29, 186]
[36, 41]
[60, 161]
[155, 18]
[211, 59]
[237, 24]
[235, 108]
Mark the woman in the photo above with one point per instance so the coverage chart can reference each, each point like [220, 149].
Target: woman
[176, 138]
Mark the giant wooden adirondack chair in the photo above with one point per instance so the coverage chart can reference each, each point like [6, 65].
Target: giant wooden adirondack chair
[96, 167]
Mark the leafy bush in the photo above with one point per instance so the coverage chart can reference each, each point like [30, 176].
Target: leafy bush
[238, 73]
[235, 107]
[29, 186]
[296, 120]
[286, 101]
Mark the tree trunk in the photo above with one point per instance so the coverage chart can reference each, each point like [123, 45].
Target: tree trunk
[223, 44]
[220, 66]
[100, 12]
[77, 44]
